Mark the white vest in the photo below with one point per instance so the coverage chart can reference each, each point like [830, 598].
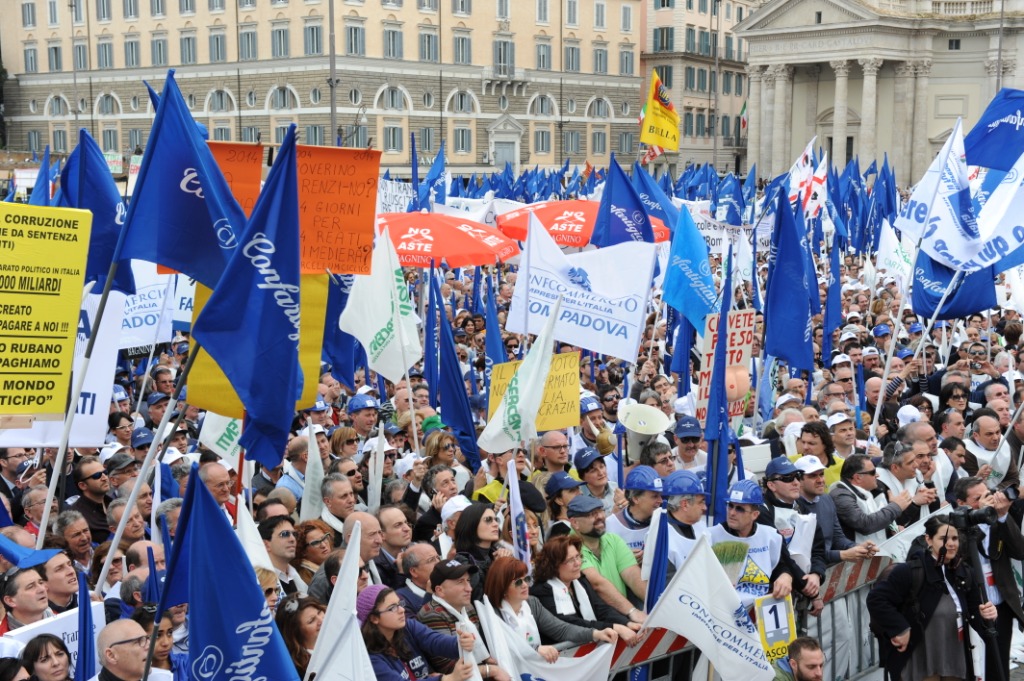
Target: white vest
[634, 538]
[998, 460]
[751, 575]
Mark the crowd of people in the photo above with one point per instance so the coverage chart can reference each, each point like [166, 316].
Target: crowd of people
[838, 485]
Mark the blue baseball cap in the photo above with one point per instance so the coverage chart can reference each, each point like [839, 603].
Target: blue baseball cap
[905, 353]
[583, 505]
[478, 402]
[585, 458]
[320, 405]
[360, 402]
[589, 404]
[119, 394]
[780, 465]
[916, 327]
[141, 437]
[881, 330]
[644, 478]
[391, 428]
[688, 426]
[156, 397]
[745, 492]
[682, 482]
[559, 481]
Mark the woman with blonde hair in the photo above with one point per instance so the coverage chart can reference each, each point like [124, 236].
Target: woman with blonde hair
[442, 448]
[344, 442]
[271, 587]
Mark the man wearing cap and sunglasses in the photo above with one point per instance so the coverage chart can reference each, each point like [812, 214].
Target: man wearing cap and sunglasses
[865, 513]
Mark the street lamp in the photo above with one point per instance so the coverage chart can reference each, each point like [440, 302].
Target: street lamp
[360, 119]
[72, 7]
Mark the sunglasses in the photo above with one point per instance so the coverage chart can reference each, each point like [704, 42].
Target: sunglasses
[449, 447]
[873, 473]
[527, 580]
[610, 398]
[326, 539]
[490, 519]
[844, 380]
[514, 348]
[352, 473]
[958, 396]
[96, 476]
[351, 441]
[739, 508]
[269, 591]
[364, 570]
[287, 534]
[788, 477]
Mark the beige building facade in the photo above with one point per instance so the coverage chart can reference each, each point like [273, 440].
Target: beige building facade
[529, 82]
[874, 77]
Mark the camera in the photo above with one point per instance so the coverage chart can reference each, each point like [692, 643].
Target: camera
[965, 517]
[1011, 493]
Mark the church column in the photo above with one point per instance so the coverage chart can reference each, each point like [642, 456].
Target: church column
[812, 74]
[754, 117]
[839, 112]
[868, 109]
[903, 108]
[922, 156]
[767, 119]
[780, 152]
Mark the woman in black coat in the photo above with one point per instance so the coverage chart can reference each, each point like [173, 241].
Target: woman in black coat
[920, 637]
[562, 589]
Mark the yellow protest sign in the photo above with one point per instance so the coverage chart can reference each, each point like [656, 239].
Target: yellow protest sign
[42, 271]
[560, 406]
[775, 625]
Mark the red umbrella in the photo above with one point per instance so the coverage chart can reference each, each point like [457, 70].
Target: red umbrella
[422, 237]
[570, 223]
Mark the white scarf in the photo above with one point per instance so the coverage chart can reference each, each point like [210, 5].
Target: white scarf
[522, 622]
[479, 649]
[374, 575]
[896, 486]
[563, 601]
[336, 524]
[998, 460]
[871, 505]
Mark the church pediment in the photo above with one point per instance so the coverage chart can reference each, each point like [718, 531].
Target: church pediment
[506, 123]
[784, 14]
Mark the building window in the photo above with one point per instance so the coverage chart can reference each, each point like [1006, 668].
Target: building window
[80, 55]
[222, 133]
[463, 49]
[503, 102]
[502, 10]
[726, 126]
[52, 14]
[504, 57]
[542, 141]
[599, 142]
[462, 6]
[570, 105]
[314, 96]
[739, 84]
[279, 133]
[132, 53]
[542, 11]
[714, 81]
[250, 133]
[28, 15]
[394, 99]
[218, 47]
[727, 82]
[31, 60]
[355, 96]
[105, 55]
[571, 142]
[627, 143]
[313, 40]
[107, 106]
[102, 10]
[572, 12]
[77, 12]
[247, 45]
[393, 138]
[187, 6]
[246, 3]
[664, 39]
[599, 15]
[739, 13]
[356, 136]
[393, 43]
[543, 106]
[600, 60]
[428, 5]
[543, 57]
[702, 6]
[135, 138]
[131, 9]
[188, 49]
[664, 4]
[158, 50]
[572, 58]
[216, 5]
[314, 134]
[385, 3]
[954, 43]
[627, 18]
[428, 47]
[58, 107]
[701, 130]
[282, 99]
[626, 62]
[279, 40]
[220, 101]
[54, 58]
[60, 140]
[158, 8]
[688, 124]
[428, 100]
[462, 102]
[355, 41]
[463, 140]
[599, 108]
[691, 39]
[665, 74]
[728, 47]
[34, 141]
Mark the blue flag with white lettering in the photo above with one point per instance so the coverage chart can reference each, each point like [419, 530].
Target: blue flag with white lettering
[231, 630]
[41, 189]
[971, 293]
[689, 287]
[655, 200]
[995, 141]
[621, 215]
[182, 213]
[454, 401]
[339, 347]
[250, 325]
[787, 303]
[86, 183]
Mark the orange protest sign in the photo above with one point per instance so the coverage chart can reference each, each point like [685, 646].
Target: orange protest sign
[337, 208]
[242, 165]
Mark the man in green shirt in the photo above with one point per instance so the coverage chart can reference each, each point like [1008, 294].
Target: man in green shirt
[608, 563]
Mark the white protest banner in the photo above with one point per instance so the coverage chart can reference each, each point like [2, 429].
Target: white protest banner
[603, 313]
[143, 320]
[741, 339]
[221, 434]
[184, 299]
[89, 426]
[65, 627]
[479, 210]
[719, 235]
[393, 196]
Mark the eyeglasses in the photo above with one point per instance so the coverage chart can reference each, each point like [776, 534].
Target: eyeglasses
[739, 508]
[572, 561]
[848, 379]
[322, 540]
[788, 477]
[137, 641]
[269, 591]
[976, 353]
[450, 447]
[400, 605]
[527, 580]
[22, 455]
[958, 396]
[96, 476]
[873, 473]
[610, 398]
[287, 534]
[127, 427]
[351, 441]
[490, 519]
[561, 448]
[352, 473]
[663, 462]
[364, 570]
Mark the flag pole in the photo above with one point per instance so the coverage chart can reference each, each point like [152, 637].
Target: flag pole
[152, 348]
[158, 440]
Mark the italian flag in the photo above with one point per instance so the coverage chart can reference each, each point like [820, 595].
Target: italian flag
[743, 117]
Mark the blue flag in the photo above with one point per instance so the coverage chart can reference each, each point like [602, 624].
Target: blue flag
[454, 401]
[681, 355]
[787, 301]
[995, 140]
[621, 215]
[340, 347]
[430, 356]
[971, 293]
[250, 325]
[229, 623]
[182, 213]
[478, 303]
[494, 349]
[689, 287]
[716, 427]
[433, 184]
[655, 200]
[86, 183]
[659, 564]
[85, 664]
[151, 589]
[765, 392]
[730, 197]
[833, 303]
[862, 397]
[24, 557]
[41, 190]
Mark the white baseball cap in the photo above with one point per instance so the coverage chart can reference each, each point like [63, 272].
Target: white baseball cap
[809, 464]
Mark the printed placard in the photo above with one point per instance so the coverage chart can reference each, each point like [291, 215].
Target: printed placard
[560, 406]
[775, 625]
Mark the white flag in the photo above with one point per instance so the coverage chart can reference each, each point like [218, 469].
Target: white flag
[520, 661]
[515, 419]
[816, 189]
[520, 538]
[380, 314]
[340, 652]
[376, 471]
[312, 502]
[220, 434]
[701, 605]
[604, 293]
[250, 539]
[898, 546]
[801, 172]
[894, 258]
